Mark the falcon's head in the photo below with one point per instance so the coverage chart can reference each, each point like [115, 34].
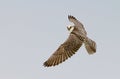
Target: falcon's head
[70, 28]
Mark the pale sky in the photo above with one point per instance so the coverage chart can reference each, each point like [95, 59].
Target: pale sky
[31, 30]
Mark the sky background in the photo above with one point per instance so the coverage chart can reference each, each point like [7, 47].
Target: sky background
[31, 30]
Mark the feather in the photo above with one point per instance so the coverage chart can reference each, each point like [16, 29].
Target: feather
[64, 51]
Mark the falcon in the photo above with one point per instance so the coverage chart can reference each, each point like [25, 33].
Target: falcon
[77, 37]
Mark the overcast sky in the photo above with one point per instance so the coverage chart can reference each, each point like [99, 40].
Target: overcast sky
[31, 30]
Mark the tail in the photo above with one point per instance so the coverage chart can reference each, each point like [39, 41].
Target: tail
[90, 46]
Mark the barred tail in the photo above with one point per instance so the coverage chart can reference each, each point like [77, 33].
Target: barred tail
[90, 46]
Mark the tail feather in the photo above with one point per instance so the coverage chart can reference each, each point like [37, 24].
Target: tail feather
[90, 46]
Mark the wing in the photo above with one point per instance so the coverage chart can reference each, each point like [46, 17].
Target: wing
[77, 23]
[74, 20]
[65, 51]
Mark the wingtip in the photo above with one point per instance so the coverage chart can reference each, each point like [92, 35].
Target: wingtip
[71, 17]
[45, 64]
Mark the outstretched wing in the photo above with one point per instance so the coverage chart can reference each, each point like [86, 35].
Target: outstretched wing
[74, 20]
[65, 50]
[77, 23]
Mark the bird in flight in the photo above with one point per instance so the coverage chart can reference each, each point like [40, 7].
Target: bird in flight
[77, 37]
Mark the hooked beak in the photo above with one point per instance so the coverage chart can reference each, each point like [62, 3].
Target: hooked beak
[69, 27]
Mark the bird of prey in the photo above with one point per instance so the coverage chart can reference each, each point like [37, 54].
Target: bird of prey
[77, 37]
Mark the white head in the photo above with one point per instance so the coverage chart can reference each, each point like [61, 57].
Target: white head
[70, 28]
